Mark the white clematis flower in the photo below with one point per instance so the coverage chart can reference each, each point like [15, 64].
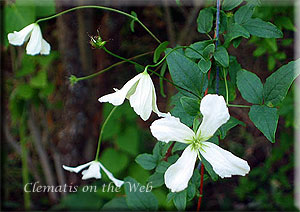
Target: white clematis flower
[141, 94]
[225, 164]
[36, 44]
[94, 172]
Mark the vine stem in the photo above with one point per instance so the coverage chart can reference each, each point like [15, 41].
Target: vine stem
[112, 66]
[101, 132]
[102, 8]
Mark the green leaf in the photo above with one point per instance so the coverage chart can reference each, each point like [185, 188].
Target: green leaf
[24, 91]
[262, 29]
[160, 49]
[40, 80]
[265, 119]
[179, 112]
[179, 200]
[157, 179]
[28, 66]
[115, 160]
[236, 42]
[278, 84]
[128, 141]
[137, 197]
[146, 161]
[199, 46]
[230, 4]
[161, 80]
[250, 86]
[231, 123]
[190, 105]
[209, 168]
[234, 67]
[271, 63]
[186, 74]
[208, 51]
[162, 166]
[243, 14]
[222, 56]
[234, 31]
[285, 22]
[191, 191]
[178, 146]
[205, 20]
[132, 21]
[116, 204]
[204, 65]
[44, 8]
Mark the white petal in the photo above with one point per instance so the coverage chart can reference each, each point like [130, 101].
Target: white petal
[18, 38]
[215, 113]
[171, 129]
[76, 169]
[118, 97]
[178, 175]
[117, 182]
[34, 45]
[45, 47]
[154, 105]
[141, 99]
[92, 172]
[224, 163]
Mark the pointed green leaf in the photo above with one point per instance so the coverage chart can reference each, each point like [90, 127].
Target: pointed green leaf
[146, 161]
[230, 4]
[179, 200]
[265, 119]
[160, 49]
[205, 20]
[262, 29]
[243, 14]
[190, 105]
[250, 86]
[278, 84]
[199, 46]
[204, 65]
[221, 56]
[137, 198]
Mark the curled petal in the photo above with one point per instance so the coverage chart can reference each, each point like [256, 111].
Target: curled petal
[76, 169]
[92, 172]
[18, 38]
[171, 129]
[118, 97]
[34, 45]
[178, 175]
[141, 99]
[154, 105]
[224, 163]
[45, 47]
[117, 182]
[215, 113]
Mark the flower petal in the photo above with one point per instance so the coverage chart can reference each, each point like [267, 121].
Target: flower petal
[215, 113]
[118, 97]
[154, 105]
[76, 169]
[34, 45]
[18, 38]
[171, 129]
[92, 172]
[141, 99]
[224, 163]
[178, 175]
[45, 47]
[117, 182]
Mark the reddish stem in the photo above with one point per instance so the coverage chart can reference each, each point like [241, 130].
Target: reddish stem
[169, 152]
[201, 188]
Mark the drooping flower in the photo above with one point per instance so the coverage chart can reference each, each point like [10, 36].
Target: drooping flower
[225, 164]
[93, 172]
[141, 94]
[36, 44]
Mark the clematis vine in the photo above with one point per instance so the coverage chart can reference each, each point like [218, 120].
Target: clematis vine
[140, 92]
[225, 164]
[36, 44]
[93, 171]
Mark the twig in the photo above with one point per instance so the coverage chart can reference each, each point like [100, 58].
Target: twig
[45, 163]
[201, 188]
